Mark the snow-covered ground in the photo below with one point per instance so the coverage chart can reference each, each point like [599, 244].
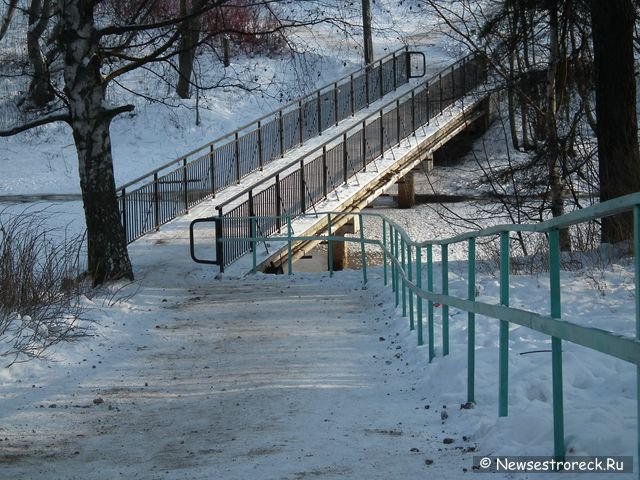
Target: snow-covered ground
[194, 376]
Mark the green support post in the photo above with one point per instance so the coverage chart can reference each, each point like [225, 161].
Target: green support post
[432, 350]
[556, 346]
[363, 251]
[471, 324]
[395, 273]
[392, 260]
[384, 252]
[445, 307]
[419, 298]
[404, 271]
[412, 325]
[503, 407]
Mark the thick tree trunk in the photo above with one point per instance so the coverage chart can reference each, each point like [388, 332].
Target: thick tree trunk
[189, 37]
[617, 128]
[366, 26]
[108, 258]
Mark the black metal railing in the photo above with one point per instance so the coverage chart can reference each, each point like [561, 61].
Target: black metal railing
[154, 199]
[298, 186]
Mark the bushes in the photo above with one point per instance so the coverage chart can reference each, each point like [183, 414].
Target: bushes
[40, 286]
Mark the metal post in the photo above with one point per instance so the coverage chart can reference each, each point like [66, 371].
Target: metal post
[384, 252]
[445, 307]
[364, 144]
[381, 81]
[319, 114]
[281, 132]
[289, 246]
[329, 245]
[404, 272]
[254, 244]
[398, 122]
[125, 223]
[303, 197]
[325, 172]
[345, 159]
[260, 154]
[363, 251]
[413, 111]
[409, 291]
[301, 121]
[503, 407]
[156, 201]
[556, 345]
[419, 298]
[395, 72]
[471, 324]
[395, 273]
[219, 242]
[185, 184]
[381, 133]
[278, 204]
[237, 158]
[353, 100]
[430, 328]
[335, 102]
[212, 170]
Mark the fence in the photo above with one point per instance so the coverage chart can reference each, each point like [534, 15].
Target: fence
[152, 200]
[404, 269]
[293, 193]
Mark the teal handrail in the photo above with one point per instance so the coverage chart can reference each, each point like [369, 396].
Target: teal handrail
[398, 248]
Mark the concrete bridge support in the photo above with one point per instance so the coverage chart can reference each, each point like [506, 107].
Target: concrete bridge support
[339, 251]
[407, 192]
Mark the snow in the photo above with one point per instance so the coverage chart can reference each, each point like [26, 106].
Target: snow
[194, 375]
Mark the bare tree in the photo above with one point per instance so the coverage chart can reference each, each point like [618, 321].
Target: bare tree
[617, 127]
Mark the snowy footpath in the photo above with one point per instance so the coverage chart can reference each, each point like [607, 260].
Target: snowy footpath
[193, 375]
[200, 378]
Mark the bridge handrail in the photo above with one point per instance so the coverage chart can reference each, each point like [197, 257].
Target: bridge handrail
[253, 123]
[312, 191]
[403, 257]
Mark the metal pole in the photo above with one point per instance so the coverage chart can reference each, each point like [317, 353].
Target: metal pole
[156, 201]
[471, 324]
[419, 298]
[556, 345]
[445, 307]
[503, 408]
[430, 328]
[384, 252]
[237, 158]
[363, 251]
[289, 246]
[395, 273]
[404, 272]
[330, 245]
[409, 291]
[254, 244]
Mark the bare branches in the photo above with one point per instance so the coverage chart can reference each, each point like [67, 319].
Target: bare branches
[66, 117]
[6, 18]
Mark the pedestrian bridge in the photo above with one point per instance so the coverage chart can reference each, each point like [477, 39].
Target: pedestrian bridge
[336, 149]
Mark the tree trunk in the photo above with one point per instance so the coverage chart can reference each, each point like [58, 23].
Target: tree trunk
[552, 148]
[90, 119]
[40, 91]
[366, 27]
[617, 128]
[189, 37]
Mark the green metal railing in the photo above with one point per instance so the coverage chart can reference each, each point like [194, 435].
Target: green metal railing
[403, 267]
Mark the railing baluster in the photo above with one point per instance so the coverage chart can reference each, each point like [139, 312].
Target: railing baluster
[363, 250]
[418, 297]
[384, 252]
